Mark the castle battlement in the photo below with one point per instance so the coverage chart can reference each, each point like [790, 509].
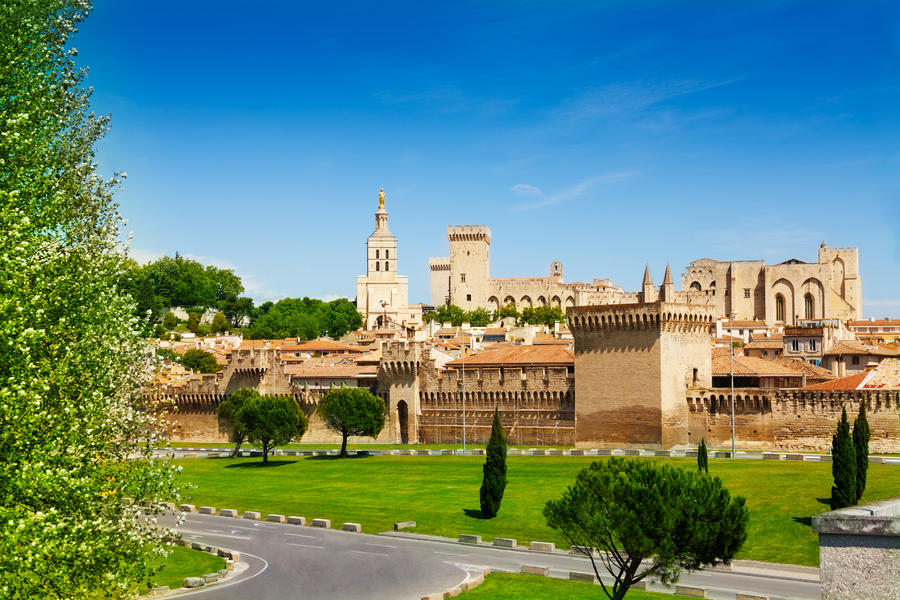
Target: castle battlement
[660, 316]
[439, 264]
[469, 233]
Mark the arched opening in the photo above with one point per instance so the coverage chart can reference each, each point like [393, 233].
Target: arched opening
[809, 306]
[386, 266]
[696, 286]
[494, 303]
[403, 421]
[377, 253]
[779, 308]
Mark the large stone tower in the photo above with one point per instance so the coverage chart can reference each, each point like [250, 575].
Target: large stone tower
[634, 364]
[382, 294]
[398, 384]
[469, 265]
[845, 279]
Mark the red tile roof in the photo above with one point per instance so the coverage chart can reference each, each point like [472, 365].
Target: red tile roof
[545, 355]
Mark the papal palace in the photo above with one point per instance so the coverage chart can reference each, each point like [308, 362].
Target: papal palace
[650, 368]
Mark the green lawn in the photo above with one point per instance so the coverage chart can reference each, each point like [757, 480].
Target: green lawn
[440, 493]
[511, 586]
[185, 562]
[301, 446]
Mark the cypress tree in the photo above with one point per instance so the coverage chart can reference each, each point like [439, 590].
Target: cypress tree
[843, 465]
[702, 458]
[861, 446]
[494, 481]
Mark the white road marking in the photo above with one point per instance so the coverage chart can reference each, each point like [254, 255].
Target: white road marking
[372, 553]
[190, 533]
[450, 554]
[231, 583]
[310, 537]
[304, 545]
[381, 546]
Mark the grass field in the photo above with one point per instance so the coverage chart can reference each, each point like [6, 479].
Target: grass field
[510, 586]
[184, 562]
[440, 493]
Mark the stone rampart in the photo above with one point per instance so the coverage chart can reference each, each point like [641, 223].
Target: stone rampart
[796, 420]
[536, 404]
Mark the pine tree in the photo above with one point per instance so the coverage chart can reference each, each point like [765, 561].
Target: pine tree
[843, 465]
[861, 446]
[702, 458]
[494, 482]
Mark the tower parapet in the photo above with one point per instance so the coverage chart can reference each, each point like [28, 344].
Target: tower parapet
[469, 233]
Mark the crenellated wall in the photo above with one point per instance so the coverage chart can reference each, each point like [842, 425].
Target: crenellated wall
[536, 404]
[795, 420]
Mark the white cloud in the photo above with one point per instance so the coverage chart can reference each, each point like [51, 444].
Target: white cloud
[579, 189]
[524, 189]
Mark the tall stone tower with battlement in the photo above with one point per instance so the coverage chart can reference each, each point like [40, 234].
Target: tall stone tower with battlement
[469, 265]
[398, 385]
[634, 364]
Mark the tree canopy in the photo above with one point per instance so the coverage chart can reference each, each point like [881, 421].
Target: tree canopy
[230, 410]
[201, 361]
[305, 318]
[271, 421]
[352, 411]
[628, 511]
[74, 413]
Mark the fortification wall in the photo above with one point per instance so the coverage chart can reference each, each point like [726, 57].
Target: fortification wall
[536, 405]
[792, 420]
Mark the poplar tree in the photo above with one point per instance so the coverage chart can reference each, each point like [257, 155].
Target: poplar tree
[702, 458]
[76, 421]
[861, 446]
[494, 482]
[843, 465]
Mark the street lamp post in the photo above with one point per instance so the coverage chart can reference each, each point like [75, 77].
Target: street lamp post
[462, 350]
[731, 344]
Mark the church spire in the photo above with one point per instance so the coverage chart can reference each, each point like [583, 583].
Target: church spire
[648, 292]
[647, 279]
[668, 277]
[668, 287]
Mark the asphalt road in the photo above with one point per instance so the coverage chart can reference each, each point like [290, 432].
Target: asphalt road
[290, 561]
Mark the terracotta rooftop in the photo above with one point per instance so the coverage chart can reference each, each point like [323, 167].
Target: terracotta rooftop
[495, 331]
[743, 324]
[886, 376]
[765, 344]
[547, 338]
[338, 371]
[549, 355]
[809, 369]
[875, 323]
[858, 347]
[748, 365]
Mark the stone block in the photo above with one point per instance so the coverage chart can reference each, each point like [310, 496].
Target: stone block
[362, 453]
[876, 460]
[465, 538]
[542, 546]
[772, 455]
[185, 543]
[324, 523]
[210, 577]
[604, 452]
[235, 556]
[437, 596]
[354, 527]
[585, 577]
[479, 452]
[535, 570]
[228, 512]
[197, 545]
[472, 583]
[640, 585]
[273, 518]
[505, 542]
[514, 452]
[250, 514]
[577, 452]
[222, 573]
[793, 456]
[296, 520]
[740, 596]
[207, 510]
[825, 458]
[191, 455]
[694, 592]
[160, 590]
[453, 592]
[423, 452]
[167, 505]
[691, 453]
[582, 550]
[538, 452]
[662, 453]
[632, 452]
[193, 582]
[279, 453]
[188, 508]
[404, 525]
[555, 452]
[446, 452]
[229, 564]
[406, 452]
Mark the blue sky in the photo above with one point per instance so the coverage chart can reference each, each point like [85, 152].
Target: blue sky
[603, 134]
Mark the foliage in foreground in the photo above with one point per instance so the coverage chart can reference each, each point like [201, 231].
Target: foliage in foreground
[494, 482]
[628, 511]
[843, 465]
[74, 416]
[352, 411]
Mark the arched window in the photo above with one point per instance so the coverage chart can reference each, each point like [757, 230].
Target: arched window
[387, 253]
[386, 266]
[810, 306]
[377, 266]
[779, 308]
[376, 253]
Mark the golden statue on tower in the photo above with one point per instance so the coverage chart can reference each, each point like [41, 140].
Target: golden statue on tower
[381, 199]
